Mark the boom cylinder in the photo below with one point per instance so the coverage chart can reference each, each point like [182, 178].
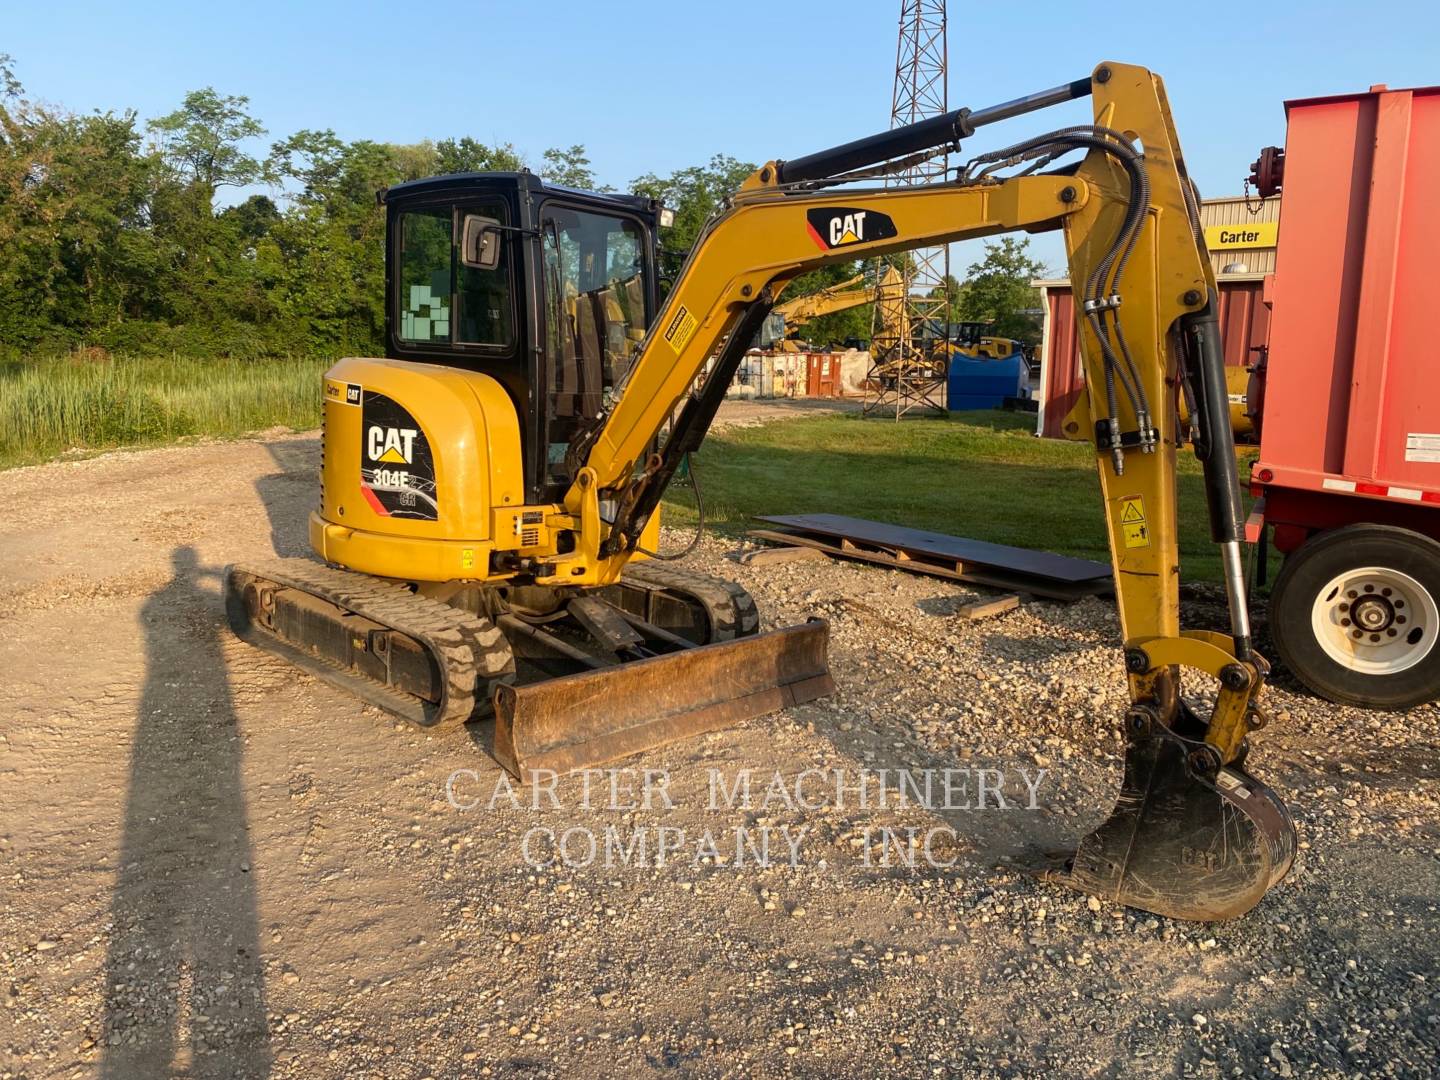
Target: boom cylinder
[929, 134]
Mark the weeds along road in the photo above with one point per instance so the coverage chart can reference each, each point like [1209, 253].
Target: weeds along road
[214, 865]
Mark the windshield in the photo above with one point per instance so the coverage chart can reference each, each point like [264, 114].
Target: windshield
[595, 291]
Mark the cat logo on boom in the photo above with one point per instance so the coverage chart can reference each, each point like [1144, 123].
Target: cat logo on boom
[840, 226]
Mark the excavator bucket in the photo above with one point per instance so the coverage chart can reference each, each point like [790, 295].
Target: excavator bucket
[582, 720]
[1182, 844]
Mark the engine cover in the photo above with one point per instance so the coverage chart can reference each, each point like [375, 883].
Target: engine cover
[417, 460]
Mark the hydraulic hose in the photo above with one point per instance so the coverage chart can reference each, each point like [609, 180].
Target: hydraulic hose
[699, 520]
[1101, 291]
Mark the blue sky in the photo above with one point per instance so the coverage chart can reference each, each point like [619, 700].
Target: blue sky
[651, 87]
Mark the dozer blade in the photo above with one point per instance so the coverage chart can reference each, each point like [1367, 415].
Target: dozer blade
[596, 716]
[1184, 845]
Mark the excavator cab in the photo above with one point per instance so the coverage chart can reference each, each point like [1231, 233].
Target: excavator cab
[547, 289]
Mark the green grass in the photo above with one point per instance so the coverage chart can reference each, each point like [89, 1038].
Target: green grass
[79, 403]
[981, 475]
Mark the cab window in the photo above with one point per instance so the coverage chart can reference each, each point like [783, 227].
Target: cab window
[594, 279]
[440, 301]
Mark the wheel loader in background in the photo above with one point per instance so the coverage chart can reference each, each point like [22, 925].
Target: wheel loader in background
[491, 491]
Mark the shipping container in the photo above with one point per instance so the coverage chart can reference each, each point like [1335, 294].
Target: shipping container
[791, 374]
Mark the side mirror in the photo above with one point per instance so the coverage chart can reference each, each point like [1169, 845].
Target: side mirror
[480, 242]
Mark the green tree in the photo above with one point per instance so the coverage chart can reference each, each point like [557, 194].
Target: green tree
[570, 166]
[202, 138]
[950, 290]
[998, 290]
[694, 194]
[252, 219]
[9, 85]
[75, 223]
[325, 257]
[467, 155]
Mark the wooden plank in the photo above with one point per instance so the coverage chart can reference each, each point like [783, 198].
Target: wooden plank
[773, 556]
[985, 609]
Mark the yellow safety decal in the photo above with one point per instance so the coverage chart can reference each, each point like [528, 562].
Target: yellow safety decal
[1132, 522]
[467, 558]
[680, 329]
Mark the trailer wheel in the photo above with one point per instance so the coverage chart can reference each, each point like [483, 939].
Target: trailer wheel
[1355, 616]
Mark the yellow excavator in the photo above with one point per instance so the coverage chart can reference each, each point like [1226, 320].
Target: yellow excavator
[788, 318]
[488, 515]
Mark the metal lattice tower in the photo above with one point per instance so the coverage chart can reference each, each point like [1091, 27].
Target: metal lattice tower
[902, 374]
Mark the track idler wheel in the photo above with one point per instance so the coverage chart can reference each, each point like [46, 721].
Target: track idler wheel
[1188, 837]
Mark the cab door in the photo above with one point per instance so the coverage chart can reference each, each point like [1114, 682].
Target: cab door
[596, 296]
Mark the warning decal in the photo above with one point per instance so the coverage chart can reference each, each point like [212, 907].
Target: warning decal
[1422, 447]
[1132, 522]
[680, 329]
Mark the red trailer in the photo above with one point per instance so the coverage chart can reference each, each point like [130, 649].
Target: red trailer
[1348, 476]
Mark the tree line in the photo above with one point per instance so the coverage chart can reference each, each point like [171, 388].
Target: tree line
[113, 237]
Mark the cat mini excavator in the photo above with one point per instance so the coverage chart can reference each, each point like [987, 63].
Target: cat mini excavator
[490, 492]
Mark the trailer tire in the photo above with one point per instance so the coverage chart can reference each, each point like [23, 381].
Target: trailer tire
[1355, 616]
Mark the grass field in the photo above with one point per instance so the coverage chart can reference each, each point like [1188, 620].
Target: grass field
[981, 475]
[49, 407]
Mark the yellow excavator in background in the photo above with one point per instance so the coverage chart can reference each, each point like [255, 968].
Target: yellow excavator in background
[787, 319]
[488, 514]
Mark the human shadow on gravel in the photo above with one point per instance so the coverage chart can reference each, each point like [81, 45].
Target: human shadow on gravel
[184, 986]
[291, 493]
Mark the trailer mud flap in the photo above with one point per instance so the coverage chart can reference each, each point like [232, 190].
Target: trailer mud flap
[1182, 844]
[597, 716]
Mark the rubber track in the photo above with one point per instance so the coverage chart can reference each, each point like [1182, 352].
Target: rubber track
[470, 650]
[729, 607]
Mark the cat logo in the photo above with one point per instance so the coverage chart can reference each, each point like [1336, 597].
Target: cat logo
[349, 393]
[394, 445]
[841, 226]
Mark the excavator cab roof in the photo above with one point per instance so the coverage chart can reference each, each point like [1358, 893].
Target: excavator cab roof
[448, 184]
[555, 320]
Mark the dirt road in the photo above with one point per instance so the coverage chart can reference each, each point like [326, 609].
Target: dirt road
[216, 866]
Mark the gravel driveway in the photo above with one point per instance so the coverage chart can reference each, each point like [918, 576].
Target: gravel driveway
[214, 865]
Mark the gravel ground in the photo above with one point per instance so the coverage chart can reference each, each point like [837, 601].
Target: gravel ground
[216, 866]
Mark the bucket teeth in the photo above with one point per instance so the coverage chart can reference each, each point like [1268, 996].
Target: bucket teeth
[596, 716]
[1182, 844]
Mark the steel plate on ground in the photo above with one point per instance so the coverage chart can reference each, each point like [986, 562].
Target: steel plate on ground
[965, 557]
